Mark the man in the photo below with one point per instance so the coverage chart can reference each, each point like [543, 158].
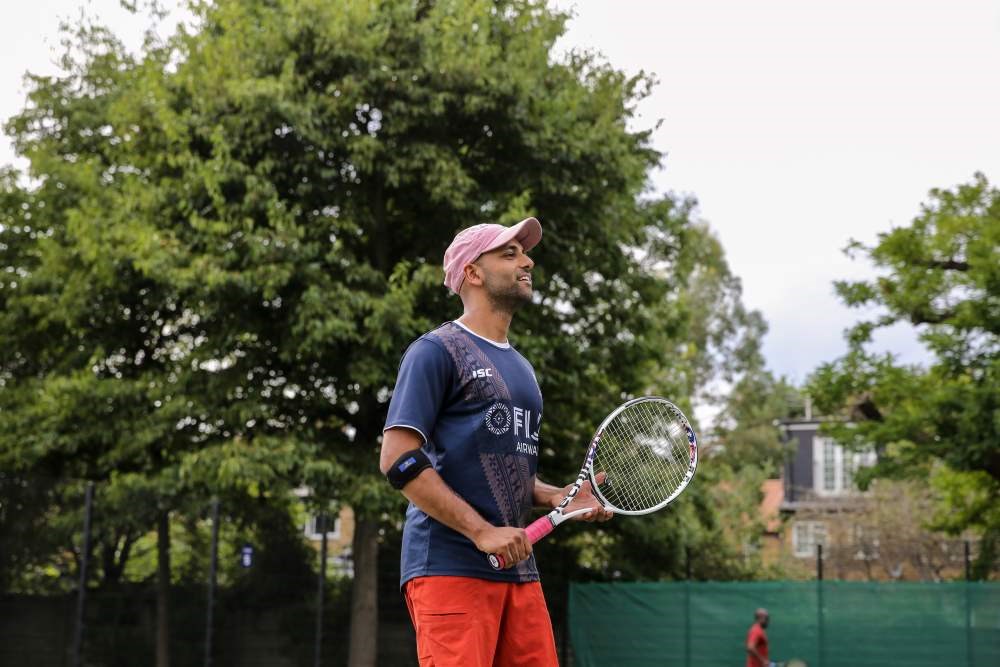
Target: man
[757, 653]
[461, 442]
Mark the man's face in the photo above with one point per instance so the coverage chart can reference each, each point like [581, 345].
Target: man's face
[764, 620]
[506, 275]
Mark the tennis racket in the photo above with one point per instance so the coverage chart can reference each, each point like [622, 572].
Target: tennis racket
[648, 452]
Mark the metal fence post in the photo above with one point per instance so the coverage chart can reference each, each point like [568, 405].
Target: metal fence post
[321, 586]
[970, 659]
[687, 607]
[819, 605]
[88, 506]
[564, 640]
[213, 565]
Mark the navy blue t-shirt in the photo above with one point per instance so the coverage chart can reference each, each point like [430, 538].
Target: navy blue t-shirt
[479, 409]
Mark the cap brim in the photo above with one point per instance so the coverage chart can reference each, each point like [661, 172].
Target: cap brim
[528, 233]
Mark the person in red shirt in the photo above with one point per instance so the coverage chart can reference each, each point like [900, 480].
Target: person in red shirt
[757, 654]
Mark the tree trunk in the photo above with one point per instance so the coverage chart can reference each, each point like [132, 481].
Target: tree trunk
[163, 590]
[364, 594]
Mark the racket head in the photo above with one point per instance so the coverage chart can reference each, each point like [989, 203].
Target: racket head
[649, 453]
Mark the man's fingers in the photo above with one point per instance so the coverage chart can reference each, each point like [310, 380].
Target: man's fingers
[598, 514]
[518, 549]
[525, 545]
[510, 543]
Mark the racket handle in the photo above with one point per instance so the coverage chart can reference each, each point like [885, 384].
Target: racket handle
[538, 529]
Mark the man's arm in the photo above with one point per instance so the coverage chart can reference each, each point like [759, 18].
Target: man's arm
[434, 497]
[546, 495]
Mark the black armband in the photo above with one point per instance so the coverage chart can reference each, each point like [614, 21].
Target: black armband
[407, 467]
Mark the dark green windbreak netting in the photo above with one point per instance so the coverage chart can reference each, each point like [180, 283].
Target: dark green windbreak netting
[825, 624]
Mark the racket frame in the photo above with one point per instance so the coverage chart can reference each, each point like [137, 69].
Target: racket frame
[589, 461]
[545, 524]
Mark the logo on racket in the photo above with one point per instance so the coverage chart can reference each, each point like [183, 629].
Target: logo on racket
[494, 561]
[498, 419]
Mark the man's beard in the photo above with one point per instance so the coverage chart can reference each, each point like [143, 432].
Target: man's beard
[508, 299]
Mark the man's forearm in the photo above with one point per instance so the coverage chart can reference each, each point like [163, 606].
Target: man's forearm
[545, 495]
[436, 499]
[429, 492]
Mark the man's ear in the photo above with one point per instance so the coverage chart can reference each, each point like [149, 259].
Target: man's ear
[473, 274]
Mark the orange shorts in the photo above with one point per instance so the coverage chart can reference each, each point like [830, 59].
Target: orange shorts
[466, 622]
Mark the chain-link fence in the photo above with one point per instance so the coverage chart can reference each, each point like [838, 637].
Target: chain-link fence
[265, 578]
[262, 579]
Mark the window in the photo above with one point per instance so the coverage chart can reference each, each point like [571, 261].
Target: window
[829, 466]
[806, 535]
[315, 526]
[834, 467]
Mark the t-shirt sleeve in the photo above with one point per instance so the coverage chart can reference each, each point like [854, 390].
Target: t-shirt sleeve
[422, 386]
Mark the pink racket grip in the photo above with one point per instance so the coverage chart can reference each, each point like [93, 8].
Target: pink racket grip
[538, 529]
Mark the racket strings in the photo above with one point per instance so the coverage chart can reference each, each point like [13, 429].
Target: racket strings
[645, 454]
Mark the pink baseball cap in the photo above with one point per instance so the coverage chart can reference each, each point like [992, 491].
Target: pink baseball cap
[473, 241]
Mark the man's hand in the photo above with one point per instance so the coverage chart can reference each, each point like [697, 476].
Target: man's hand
[510, 543]
[585, 498]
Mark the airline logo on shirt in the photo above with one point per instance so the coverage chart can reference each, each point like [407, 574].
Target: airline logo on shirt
[522, 424]
[500, 420]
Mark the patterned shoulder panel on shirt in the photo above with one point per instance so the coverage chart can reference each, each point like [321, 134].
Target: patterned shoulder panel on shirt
[479, 378]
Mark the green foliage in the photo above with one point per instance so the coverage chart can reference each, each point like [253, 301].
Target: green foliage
[748, 424]
[724, 337]
[724, 364]
[229, 240]
[942, 274]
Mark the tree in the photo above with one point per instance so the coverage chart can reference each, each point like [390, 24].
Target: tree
[715, 360]
[942, 275]
[237, 233]
[240, 230]
[890, 532]
[726, 366]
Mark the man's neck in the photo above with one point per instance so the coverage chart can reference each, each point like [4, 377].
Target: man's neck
[489, 324]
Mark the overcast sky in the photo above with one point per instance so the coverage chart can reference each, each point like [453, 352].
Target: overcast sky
[797, 125]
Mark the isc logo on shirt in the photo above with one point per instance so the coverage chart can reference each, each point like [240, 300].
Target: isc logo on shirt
[482, 373]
